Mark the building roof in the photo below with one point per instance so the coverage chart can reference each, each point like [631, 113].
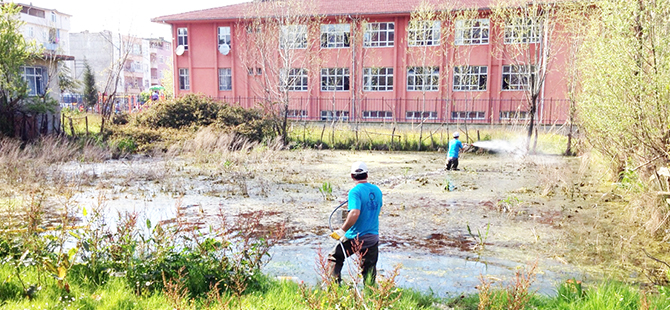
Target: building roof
[44, 9]
[320, 7]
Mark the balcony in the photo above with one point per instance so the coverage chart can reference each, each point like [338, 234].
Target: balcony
[50, 46]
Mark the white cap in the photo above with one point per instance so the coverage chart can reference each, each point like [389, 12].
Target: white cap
[456, 134]
[359, 167]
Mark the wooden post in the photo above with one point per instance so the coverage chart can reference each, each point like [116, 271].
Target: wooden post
[478, 139]
[71, 127]
[86, 119]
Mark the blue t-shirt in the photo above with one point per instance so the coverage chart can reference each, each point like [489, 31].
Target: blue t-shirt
[454, 146]
[367, 198]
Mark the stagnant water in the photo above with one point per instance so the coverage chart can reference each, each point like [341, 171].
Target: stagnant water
[425, 221]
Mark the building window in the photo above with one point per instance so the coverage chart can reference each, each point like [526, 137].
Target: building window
[297, 113]
[522, 30]
[421, 115]
[184, 83]
[423, 78]
[424, 32]
[53, 17]
[379, 35]
[295, 79]
[378, 114]
[255, 71]
[516, 77]
[509, 115]
[335, 35]
[224, 36]
[334, 79]
[377, 79]
[31, 31]
[225, 79]
[334, 115]
[182, 37]
[293, 36]
[35, 79]
[465, 115]
[470, 77]
[472, 31]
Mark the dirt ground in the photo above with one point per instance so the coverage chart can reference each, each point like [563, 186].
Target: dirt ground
[514, 208]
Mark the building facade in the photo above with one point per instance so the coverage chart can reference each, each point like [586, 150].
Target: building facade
[48, 28]
[368, 61]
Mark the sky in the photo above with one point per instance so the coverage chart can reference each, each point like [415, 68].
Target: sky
[125, 16]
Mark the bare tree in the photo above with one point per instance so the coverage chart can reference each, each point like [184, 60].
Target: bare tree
[530, 44]
[121, 49]
[281, 39]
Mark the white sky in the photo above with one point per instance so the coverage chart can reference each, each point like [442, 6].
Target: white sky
[125, 16]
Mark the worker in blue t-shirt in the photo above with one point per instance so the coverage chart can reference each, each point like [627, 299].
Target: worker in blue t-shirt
[360, 230]
[455, 147]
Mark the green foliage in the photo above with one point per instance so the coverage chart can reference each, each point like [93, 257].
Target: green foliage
[624, 102]
[197, 111]
[326, 191]
[479, 237]
[67, 83]
[90, 90]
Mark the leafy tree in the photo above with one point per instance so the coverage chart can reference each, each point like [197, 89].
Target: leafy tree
[625, 64]
[66, 83]
[90, 91]
[16, 52]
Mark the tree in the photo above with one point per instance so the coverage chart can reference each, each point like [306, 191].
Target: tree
[291, 25]
[623, 105]
[530, 45]
[16, 52]
[90, 90]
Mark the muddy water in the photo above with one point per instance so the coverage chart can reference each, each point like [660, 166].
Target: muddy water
[446, 229]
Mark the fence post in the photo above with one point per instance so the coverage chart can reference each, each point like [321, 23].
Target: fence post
[86, 119]
[71, 127]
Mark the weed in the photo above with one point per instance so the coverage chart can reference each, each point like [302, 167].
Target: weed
[479, 238]
[326, 191]
[509, 205]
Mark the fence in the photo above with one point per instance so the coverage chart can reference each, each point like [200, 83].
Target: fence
[476, 111]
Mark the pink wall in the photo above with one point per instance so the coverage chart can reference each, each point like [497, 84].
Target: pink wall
[203, 60]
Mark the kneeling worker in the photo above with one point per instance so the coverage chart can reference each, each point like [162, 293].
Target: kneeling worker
[360, 229]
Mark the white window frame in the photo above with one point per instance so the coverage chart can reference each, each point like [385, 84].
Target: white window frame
[470, 78]
[378, 79]
[335, 79]
[184, 79]
[335, 35]
[522, 30]
[472, 32]
[296, 79]
[381, 34]
[293, 37]
[468, 115]
[54, 18]
[423, 33]
[509, 115]
[423, 78]
[378, 114]
[327, 115]
[225, 79]
[182, 37]
[421, 115]
[223, 35]
[518, 77]
[294, 113]
[34, 77]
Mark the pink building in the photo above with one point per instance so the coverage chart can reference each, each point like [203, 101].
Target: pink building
[366, 61]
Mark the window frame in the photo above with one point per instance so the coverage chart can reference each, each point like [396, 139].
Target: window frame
[466, 115]
[420, 115]
[296, 79]
[221, 36]
[522, 30]
[516, 75]
[296, 35]
[472, 31]
[335, 79]
[184, 79]
[182, 37]
[433, 76]
[370, 34]
[331, 35]
[469, 75]
[370, 75]
[36, 82]
[422, 33]
[379, 114]
[340, 115]
[225, 79]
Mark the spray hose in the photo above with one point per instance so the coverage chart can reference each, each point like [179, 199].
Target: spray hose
[330, 218]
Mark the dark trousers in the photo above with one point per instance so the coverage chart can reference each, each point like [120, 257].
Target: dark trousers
[452, 163]
[368, 265]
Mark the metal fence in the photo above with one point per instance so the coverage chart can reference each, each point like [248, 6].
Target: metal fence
[477, 111]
